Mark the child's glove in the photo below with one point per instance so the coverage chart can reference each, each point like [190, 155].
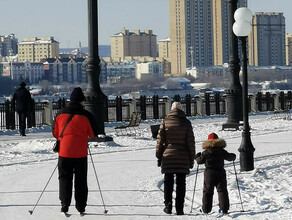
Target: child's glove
[198, 155]
[159, 163]
[191, 164]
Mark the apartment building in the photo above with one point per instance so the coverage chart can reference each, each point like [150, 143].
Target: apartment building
[8, 45]
[36, 49]
[133, 43]
[152, 69]
[267, 40]
[199, 33]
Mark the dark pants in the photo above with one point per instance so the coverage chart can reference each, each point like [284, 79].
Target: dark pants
[215, 178]
[67, 167]
[180, 190]
[22, 122]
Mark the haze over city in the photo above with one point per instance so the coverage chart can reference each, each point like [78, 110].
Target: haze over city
[67, 20]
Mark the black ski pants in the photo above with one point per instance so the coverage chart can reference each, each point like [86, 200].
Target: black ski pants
[22, 122]
[67, 168]
[215, 178]
[180, 190]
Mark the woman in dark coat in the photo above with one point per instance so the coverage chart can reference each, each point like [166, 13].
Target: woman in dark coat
[73, 150]
[175, 151]
[215, 176]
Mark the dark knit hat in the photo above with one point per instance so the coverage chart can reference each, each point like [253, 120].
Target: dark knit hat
[22, 84]
[212, 136]
[77, 95]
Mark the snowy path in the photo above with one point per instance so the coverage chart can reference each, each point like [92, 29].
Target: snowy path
[132, 183]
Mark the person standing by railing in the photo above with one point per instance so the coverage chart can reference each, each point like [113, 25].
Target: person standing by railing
[21, 102]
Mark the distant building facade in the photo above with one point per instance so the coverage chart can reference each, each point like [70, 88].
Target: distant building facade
[135, 43]
[8, 45]
[35, 49]
[267, 40]
[26, 71]
[152, 69]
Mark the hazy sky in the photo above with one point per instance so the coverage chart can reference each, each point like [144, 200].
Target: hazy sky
[66, 20]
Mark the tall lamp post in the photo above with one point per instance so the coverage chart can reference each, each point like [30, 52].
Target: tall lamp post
[95, 98]
[242, 28]
[234, 92]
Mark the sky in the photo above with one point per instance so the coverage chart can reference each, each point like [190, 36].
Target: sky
[66, 20]
[132, 184]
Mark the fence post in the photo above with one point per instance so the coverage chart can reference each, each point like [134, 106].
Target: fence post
[9, 115]
[31, 115]
[207, 103]
[167, 105]
[259, 98]
[276, 101]
[155, 107]
[143, 107]
[188, 105]
[199, 105]
[119, 108]
[268, 100]
[48, 112]
[252, 103]
[217, 103]
[282, 100]
[132, 106]
[176, 98]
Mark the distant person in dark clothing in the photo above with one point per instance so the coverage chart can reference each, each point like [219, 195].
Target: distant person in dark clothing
[73, 150]
[175, 151]
[214, 175]
[21, 102]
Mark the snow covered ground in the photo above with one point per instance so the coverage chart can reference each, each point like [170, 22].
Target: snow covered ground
[132, 184]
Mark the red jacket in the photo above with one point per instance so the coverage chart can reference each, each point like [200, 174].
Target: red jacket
[74, 142]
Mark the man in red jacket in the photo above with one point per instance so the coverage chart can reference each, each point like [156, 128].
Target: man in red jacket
[73, 150]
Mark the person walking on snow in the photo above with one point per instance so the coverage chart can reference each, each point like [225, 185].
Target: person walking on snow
[175, 151]
[73, 150]
[214, 175]
[21, 102]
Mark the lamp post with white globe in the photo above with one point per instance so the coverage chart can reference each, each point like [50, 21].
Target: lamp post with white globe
[241, 28]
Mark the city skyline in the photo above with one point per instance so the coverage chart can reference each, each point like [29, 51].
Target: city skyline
[66, 20]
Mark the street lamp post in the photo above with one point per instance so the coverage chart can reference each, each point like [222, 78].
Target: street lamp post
[234, 92]
[242, 28]
[95, 98]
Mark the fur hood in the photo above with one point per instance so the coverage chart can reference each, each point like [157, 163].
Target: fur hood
[214, 143]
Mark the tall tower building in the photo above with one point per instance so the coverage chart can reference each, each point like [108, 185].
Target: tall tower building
[199, 33]
[8, 45]
[267, 40]
[288, 49]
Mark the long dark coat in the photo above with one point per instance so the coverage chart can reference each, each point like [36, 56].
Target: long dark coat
[175, 143]
[22, 99]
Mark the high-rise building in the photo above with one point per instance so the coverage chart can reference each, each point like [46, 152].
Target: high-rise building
[136, 43]
[35, 49]
[199, 33]
[8, 45]
[267, 40]
[289, 49]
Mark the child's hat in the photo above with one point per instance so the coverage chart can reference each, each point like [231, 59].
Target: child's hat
[212, 136]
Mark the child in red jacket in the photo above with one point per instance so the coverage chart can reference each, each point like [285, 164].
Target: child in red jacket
[214, 175]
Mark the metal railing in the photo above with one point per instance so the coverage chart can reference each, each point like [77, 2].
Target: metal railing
[151, 108]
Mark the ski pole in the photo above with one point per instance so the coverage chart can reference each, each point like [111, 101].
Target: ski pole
[238, 186]
[31, 211]
[105, 211]
[195, 187]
